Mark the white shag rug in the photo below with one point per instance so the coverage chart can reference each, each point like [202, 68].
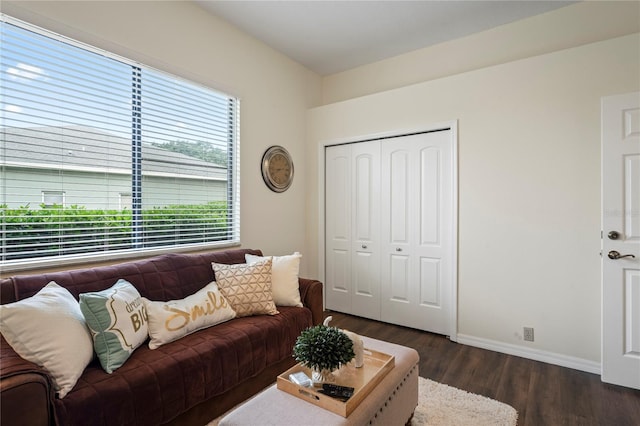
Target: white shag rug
[442, 405]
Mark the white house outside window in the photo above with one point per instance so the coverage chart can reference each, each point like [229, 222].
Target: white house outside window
[141, 160]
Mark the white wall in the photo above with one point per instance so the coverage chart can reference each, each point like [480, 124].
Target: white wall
[183, 39]
[570, 26]
[529, 187]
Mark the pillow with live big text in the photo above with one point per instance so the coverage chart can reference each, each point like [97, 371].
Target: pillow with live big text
[118, 322]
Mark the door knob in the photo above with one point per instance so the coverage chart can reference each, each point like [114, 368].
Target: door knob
[616, 255]
[613, 235]
[364, 246]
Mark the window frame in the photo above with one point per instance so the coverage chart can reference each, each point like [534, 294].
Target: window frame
[233, 173]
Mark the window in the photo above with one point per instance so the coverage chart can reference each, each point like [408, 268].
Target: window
[101, 156]
[125, 201]
[53, 198]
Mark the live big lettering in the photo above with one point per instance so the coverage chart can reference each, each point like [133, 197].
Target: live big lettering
[138, 313]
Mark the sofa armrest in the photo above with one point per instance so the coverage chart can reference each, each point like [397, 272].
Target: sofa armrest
[26, 393]
[311, 296]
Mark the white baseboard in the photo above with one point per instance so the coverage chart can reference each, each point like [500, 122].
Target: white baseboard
[534, 354]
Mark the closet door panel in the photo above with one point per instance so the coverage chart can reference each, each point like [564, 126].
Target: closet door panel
[339, 200]
[416, 200]
[434, 250]
[399, 271]
[398, 205]
[338, 228]
[338, 279]
[364, 187]
[363, 277]
[366, 229]
[430, 282]
[430, 186]
[399, 195]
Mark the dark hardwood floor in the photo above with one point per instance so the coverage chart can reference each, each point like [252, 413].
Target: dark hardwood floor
[543, 394]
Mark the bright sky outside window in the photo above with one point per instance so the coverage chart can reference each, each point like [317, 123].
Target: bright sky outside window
[83, 122]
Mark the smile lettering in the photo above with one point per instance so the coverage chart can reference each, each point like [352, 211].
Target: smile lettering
[181, 318]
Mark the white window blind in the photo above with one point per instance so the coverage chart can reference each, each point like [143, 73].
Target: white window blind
[90, 125]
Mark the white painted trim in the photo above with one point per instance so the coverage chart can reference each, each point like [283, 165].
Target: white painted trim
[453, 334]
[453, 125]
[321, 220]
[530, 353]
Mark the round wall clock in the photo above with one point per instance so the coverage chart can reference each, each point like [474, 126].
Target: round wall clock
[277, 168]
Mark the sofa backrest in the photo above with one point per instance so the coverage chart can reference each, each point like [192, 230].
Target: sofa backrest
[164, 277]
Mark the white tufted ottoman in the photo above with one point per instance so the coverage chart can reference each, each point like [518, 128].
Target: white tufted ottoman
[391, 403]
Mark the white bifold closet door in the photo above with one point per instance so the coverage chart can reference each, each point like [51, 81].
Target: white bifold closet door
[353, 229]
[389, 232]
[417, 232]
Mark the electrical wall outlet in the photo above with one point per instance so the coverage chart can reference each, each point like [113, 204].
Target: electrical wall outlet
[528, 334]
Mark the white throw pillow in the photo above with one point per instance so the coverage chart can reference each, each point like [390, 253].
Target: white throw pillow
[284, 278]
[118, 322]
[169, 321]
[49, 330]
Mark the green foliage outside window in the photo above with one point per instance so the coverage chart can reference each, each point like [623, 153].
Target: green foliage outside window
[75, 229]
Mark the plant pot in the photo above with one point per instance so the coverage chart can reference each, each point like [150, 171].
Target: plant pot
[318, 377]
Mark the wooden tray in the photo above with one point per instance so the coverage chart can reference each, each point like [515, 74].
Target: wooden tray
[363, 380]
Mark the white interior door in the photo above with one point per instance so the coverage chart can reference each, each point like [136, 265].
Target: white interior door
[621, 240]
[418, 236]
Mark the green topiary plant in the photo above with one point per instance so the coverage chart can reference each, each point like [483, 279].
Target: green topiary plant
[323, 348]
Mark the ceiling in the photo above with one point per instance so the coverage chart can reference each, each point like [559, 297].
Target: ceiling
[332, 36]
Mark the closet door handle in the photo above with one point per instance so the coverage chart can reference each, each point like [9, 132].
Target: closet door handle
[364, 246]
[398, 249]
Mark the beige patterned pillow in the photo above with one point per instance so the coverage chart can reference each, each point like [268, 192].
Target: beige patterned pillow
[284, 278]
[246, 287]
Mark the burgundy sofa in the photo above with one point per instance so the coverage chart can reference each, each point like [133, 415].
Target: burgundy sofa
[187, 382]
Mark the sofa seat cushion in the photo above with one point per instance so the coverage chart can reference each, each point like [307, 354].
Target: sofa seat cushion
[154, 386]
